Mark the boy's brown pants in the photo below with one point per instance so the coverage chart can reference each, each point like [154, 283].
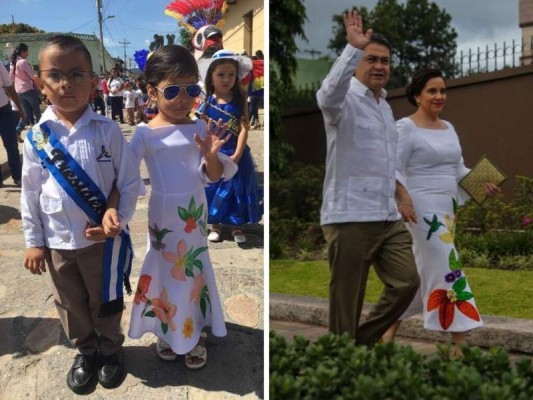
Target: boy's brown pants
[77, 279]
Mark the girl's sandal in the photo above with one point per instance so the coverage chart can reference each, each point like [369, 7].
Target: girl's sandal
[197, 358]
[164, 351]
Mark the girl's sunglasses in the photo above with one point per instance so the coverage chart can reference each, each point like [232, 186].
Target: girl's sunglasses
[173, 91]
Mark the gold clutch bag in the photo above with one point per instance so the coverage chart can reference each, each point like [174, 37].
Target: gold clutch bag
[483, 172]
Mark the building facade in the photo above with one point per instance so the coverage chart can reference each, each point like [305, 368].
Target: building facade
[36, 40]
[244, 26]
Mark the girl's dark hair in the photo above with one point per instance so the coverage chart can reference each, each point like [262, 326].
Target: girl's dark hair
[170, 61]
[22, 47]
[419, 80]
[238, 94]
[65, 42]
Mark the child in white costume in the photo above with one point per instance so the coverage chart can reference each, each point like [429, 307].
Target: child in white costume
[177, 295]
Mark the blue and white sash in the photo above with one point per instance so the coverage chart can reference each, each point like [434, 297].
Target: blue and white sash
[87, 195]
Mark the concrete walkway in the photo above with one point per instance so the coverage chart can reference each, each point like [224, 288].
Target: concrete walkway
[308, 316]
[35, 355]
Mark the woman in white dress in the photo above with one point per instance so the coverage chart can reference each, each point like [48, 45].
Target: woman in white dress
[429, 157]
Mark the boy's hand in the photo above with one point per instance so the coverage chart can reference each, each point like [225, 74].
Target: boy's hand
[95, 233]
[35, 259]
[111, 222]
[214, 139]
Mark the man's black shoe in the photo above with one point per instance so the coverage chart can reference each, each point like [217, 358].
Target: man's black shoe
[111, 371]
[82, 373]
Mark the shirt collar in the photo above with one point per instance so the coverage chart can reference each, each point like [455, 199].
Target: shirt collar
[362, 90]
[87, 116]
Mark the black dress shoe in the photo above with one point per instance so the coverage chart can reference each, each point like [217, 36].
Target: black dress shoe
[111, 371]
[82, 373]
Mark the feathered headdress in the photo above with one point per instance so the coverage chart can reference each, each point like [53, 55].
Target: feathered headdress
[140, 58]
[201, 17]
[194, 14]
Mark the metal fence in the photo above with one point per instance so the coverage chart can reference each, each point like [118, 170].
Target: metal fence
[479, 60]
[494, 57]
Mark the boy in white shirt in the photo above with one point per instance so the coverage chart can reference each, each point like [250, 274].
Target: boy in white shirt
[73, 158]
[130, 103]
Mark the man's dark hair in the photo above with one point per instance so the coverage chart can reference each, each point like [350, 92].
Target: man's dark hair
[378, 38]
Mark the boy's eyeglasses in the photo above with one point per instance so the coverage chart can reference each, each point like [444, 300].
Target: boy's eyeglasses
[56, 76]
[173, 91]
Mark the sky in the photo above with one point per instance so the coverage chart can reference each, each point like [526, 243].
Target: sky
[134, 21]
[477, 22]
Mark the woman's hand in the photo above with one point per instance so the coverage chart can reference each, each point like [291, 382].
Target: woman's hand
[491, 189]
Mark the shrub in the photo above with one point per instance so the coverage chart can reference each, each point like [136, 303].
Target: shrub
[335, 368]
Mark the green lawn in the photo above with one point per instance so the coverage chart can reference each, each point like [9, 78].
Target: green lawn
[497, 292]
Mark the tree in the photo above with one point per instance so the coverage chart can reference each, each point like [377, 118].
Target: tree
[286, 22]
[419, 32]
[18, 28]
[185, 39]
[171, 38]
[159, 41]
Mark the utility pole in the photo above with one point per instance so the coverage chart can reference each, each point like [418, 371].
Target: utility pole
[100, 20]
[125, 43]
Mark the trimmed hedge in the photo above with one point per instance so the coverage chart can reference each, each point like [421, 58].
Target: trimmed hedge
[335, 368]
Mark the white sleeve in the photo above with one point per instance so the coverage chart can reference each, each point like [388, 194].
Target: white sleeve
[332, 92]
[127, 174]
[404, 149]
[30, 208]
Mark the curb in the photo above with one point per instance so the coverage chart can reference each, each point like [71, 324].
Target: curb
[511, 334]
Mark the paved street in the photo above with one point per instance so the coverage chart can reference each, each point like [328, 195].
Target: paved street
[35, 356]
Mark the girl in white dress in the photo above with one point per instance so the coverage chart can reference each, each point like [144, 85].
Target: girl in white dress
[429, 157]
[177, 295]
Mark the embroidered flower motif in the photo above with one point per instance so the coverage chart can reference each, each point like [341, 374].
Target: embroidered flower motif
[448, 237]
[158, 235]
[184, 260]
[191, 215]
[142, 288]
[164, 310]
[178, 259]
[447, 300]
[188, 328]
[197, 288]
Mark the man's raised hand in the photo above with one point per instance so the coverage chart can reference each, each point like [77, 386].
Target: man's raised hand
[353, 23]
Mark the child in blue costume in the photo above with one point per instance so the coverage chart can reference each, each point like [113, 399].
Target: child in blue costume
[236, 201]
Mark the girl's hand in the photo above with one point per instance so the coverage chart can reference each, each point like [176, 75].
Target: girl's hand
[491, 189]
[235, 158]
[111, 222]
[353, 24]
[214, 139]
[35, 259]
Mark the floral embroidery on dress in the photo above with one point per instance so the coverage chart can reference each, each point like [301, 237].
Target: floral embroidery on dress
[163, 310]
[447, 300]
[191, 215]
[457, 296]
[188, 328]
[184, 260]
[142, 288]
[158, 235]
